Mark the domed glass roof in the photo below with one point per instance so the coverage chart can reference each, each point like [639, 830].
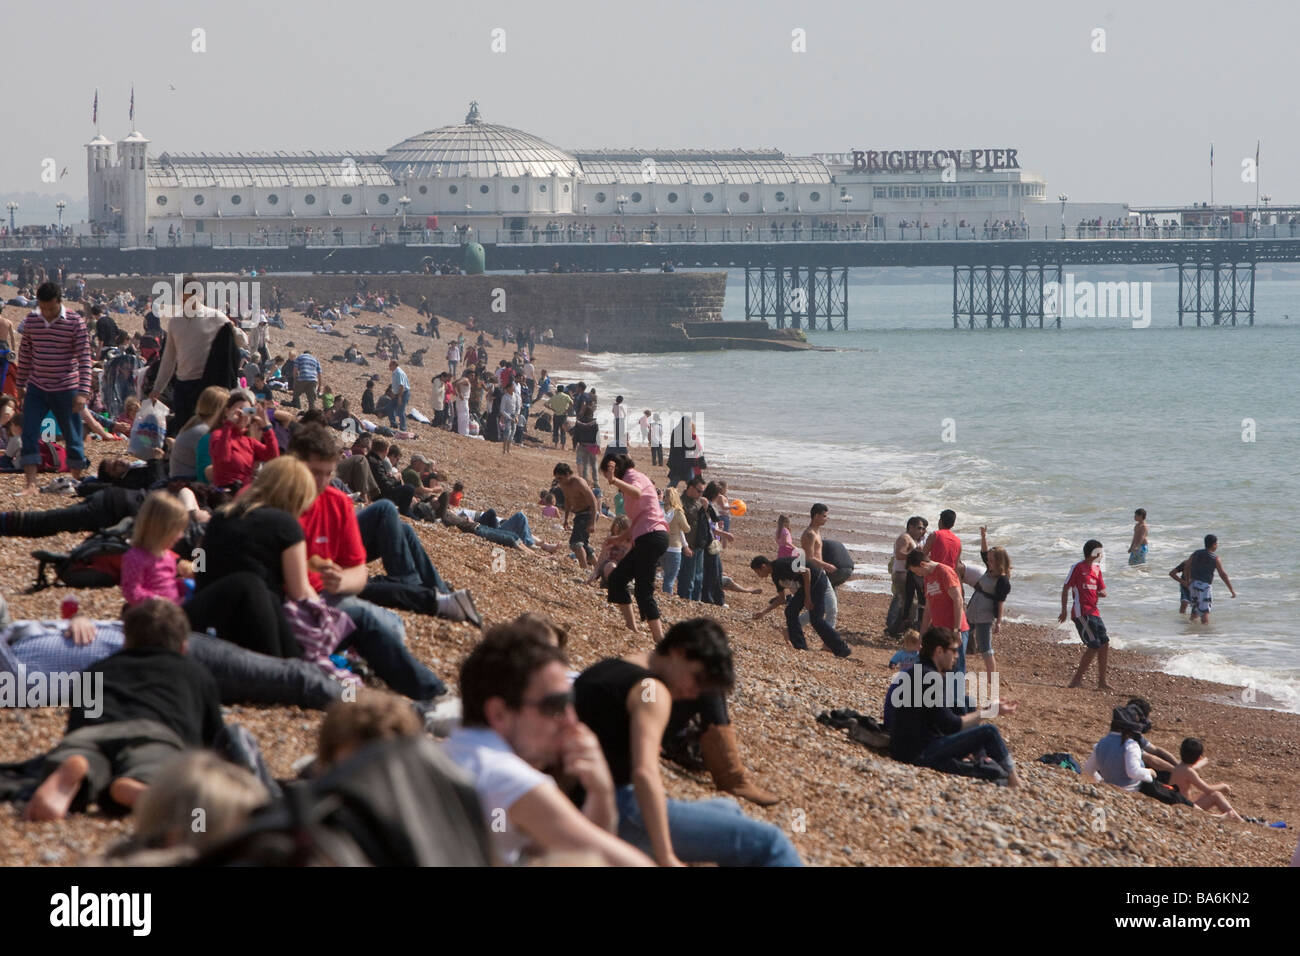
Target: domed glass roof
[480, 150]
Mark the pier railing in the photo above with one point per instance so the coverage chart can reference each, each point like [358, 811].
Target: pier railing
[435, 238]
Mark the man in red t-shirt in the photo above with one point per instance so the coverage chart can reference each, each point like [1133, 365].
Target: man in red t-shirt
[336, 563]
[944, 547]
[944, 606]
[1085, 585]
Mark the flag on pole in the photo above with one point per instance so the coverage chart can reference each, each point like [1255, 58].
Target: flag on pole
[132, 104]
[94, 110]
[1256, 154]
[1211, 154]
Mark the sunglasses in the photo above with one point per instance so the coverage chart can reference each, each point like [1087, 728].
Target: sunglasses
[552, 705]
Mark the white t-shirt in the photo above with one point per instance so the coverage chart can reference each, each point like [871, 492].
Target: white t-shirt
[500, 778]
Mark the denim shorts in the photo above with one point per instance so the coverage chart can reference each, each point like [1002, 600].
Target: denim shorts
[1091, 631]
[981, 639]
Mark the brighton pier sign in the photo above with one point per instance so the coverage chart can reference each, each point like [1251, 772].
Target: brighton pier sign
[920, 160]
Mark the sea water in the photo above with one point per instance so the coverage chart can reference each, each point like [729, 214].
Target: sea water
[1049, 437]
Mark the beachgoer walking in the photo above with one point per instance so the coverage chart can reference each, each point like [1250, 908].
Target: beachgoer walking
[1198, 575]
[1084, 584]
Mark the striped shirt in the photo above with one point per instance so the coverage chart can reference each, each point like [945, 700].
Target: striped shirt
[54, 356]
[307, 367]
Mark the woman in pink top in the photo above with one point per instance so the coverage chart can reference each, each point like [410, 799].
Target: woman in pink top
[649, 533]
[784, 539]
[151, 568]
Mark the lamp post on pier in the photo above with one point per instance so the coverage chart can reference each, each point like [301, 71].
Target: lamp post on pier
[1064, 199]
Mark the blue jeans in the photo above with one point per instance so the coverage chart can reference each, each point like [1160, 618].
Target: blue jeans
[58, 404]
[690, 579]
[984, 737]
[709, 831]
[516, 524]
[397, 413]
[386, 536]
[380, 638]
[821, 586]
[961, 669]
[671, 563]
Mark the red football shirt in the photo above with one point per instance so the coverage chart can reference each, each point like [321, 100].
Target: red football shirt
[330, 526]
[1084, 583]
[939, 602]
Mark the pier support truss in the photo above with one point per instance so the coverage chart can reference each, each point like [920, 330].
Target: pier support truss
[1217, 293]
[802, 297]
[1002, 296]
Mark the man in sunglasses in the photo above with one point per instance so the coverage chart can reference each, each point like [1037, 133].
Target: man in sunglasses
[517, 718]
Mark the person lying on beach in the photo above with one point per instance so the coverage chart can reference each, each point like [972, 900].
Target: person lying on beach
[155, 702]
[1189, 783]
[617, 544]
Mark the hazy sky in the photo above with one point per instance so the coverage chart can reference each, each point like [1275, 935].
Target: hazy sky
[1132, 124]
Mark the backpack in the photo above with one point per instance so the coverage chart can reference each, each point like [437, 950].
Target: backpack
[95, 563]
[1062, 760]
[54, 457]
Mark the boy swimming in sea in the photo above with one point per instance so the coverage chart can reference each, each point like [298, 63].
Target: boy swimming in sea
[1137, 551]
[1189, 783]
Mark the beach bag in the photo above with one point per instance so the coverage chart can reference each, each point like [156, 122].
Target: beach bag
[320, 629]
[54, 457]
[149, 430]
[95, 563]
[1062, 760]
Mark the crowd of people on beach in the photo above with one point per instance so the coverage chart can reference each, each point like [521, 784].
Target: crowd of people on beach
[245, 526]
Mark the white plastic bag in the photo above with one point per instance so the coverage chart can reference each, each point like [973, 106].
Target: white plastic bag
[149, 430]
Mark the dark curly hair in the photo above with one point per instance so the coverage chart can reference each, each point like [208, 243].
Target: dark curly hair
[703, 639]
[501, 666]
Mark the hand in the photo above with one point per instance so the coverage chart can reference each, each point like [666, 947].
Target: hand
[81, 630]
[1061, 619]
[997, 626]
[1008, 707]
[153, 396]
[582, 758]
[331, 577]
[688, 552]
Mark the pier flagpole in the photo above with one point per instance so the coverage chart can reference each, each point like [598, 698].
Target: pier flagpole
[1211, 175]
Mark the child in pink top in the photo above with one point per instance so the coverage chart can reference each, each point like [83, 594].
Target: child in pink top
[151, 569]
[547, 501]
[784, 539]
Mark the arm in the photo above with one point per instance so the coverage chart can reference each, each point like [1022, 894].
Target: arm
[293, 566]
[1207, 787]
[81, 343]
[649, 720]
[1090, 768]
[1133, 765]
[554, 823]
[813, 552]
[1218, 565]
[167, 366]
[955, 594]
[1065, 600]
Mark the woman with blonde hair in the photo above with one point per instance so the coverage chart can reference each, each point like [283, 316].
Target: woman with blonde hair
[253, 558]
[151, 568]
[987, 605]
[207, 415]
[678, 528]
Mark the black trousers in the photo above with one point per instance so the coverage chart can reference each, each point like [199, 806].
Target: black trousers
[640, 564]
[103, 509]
[245, 611]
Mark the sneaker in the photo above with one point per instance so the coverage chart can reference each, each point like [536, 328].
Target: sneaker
[465, 601]
[62, 485]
